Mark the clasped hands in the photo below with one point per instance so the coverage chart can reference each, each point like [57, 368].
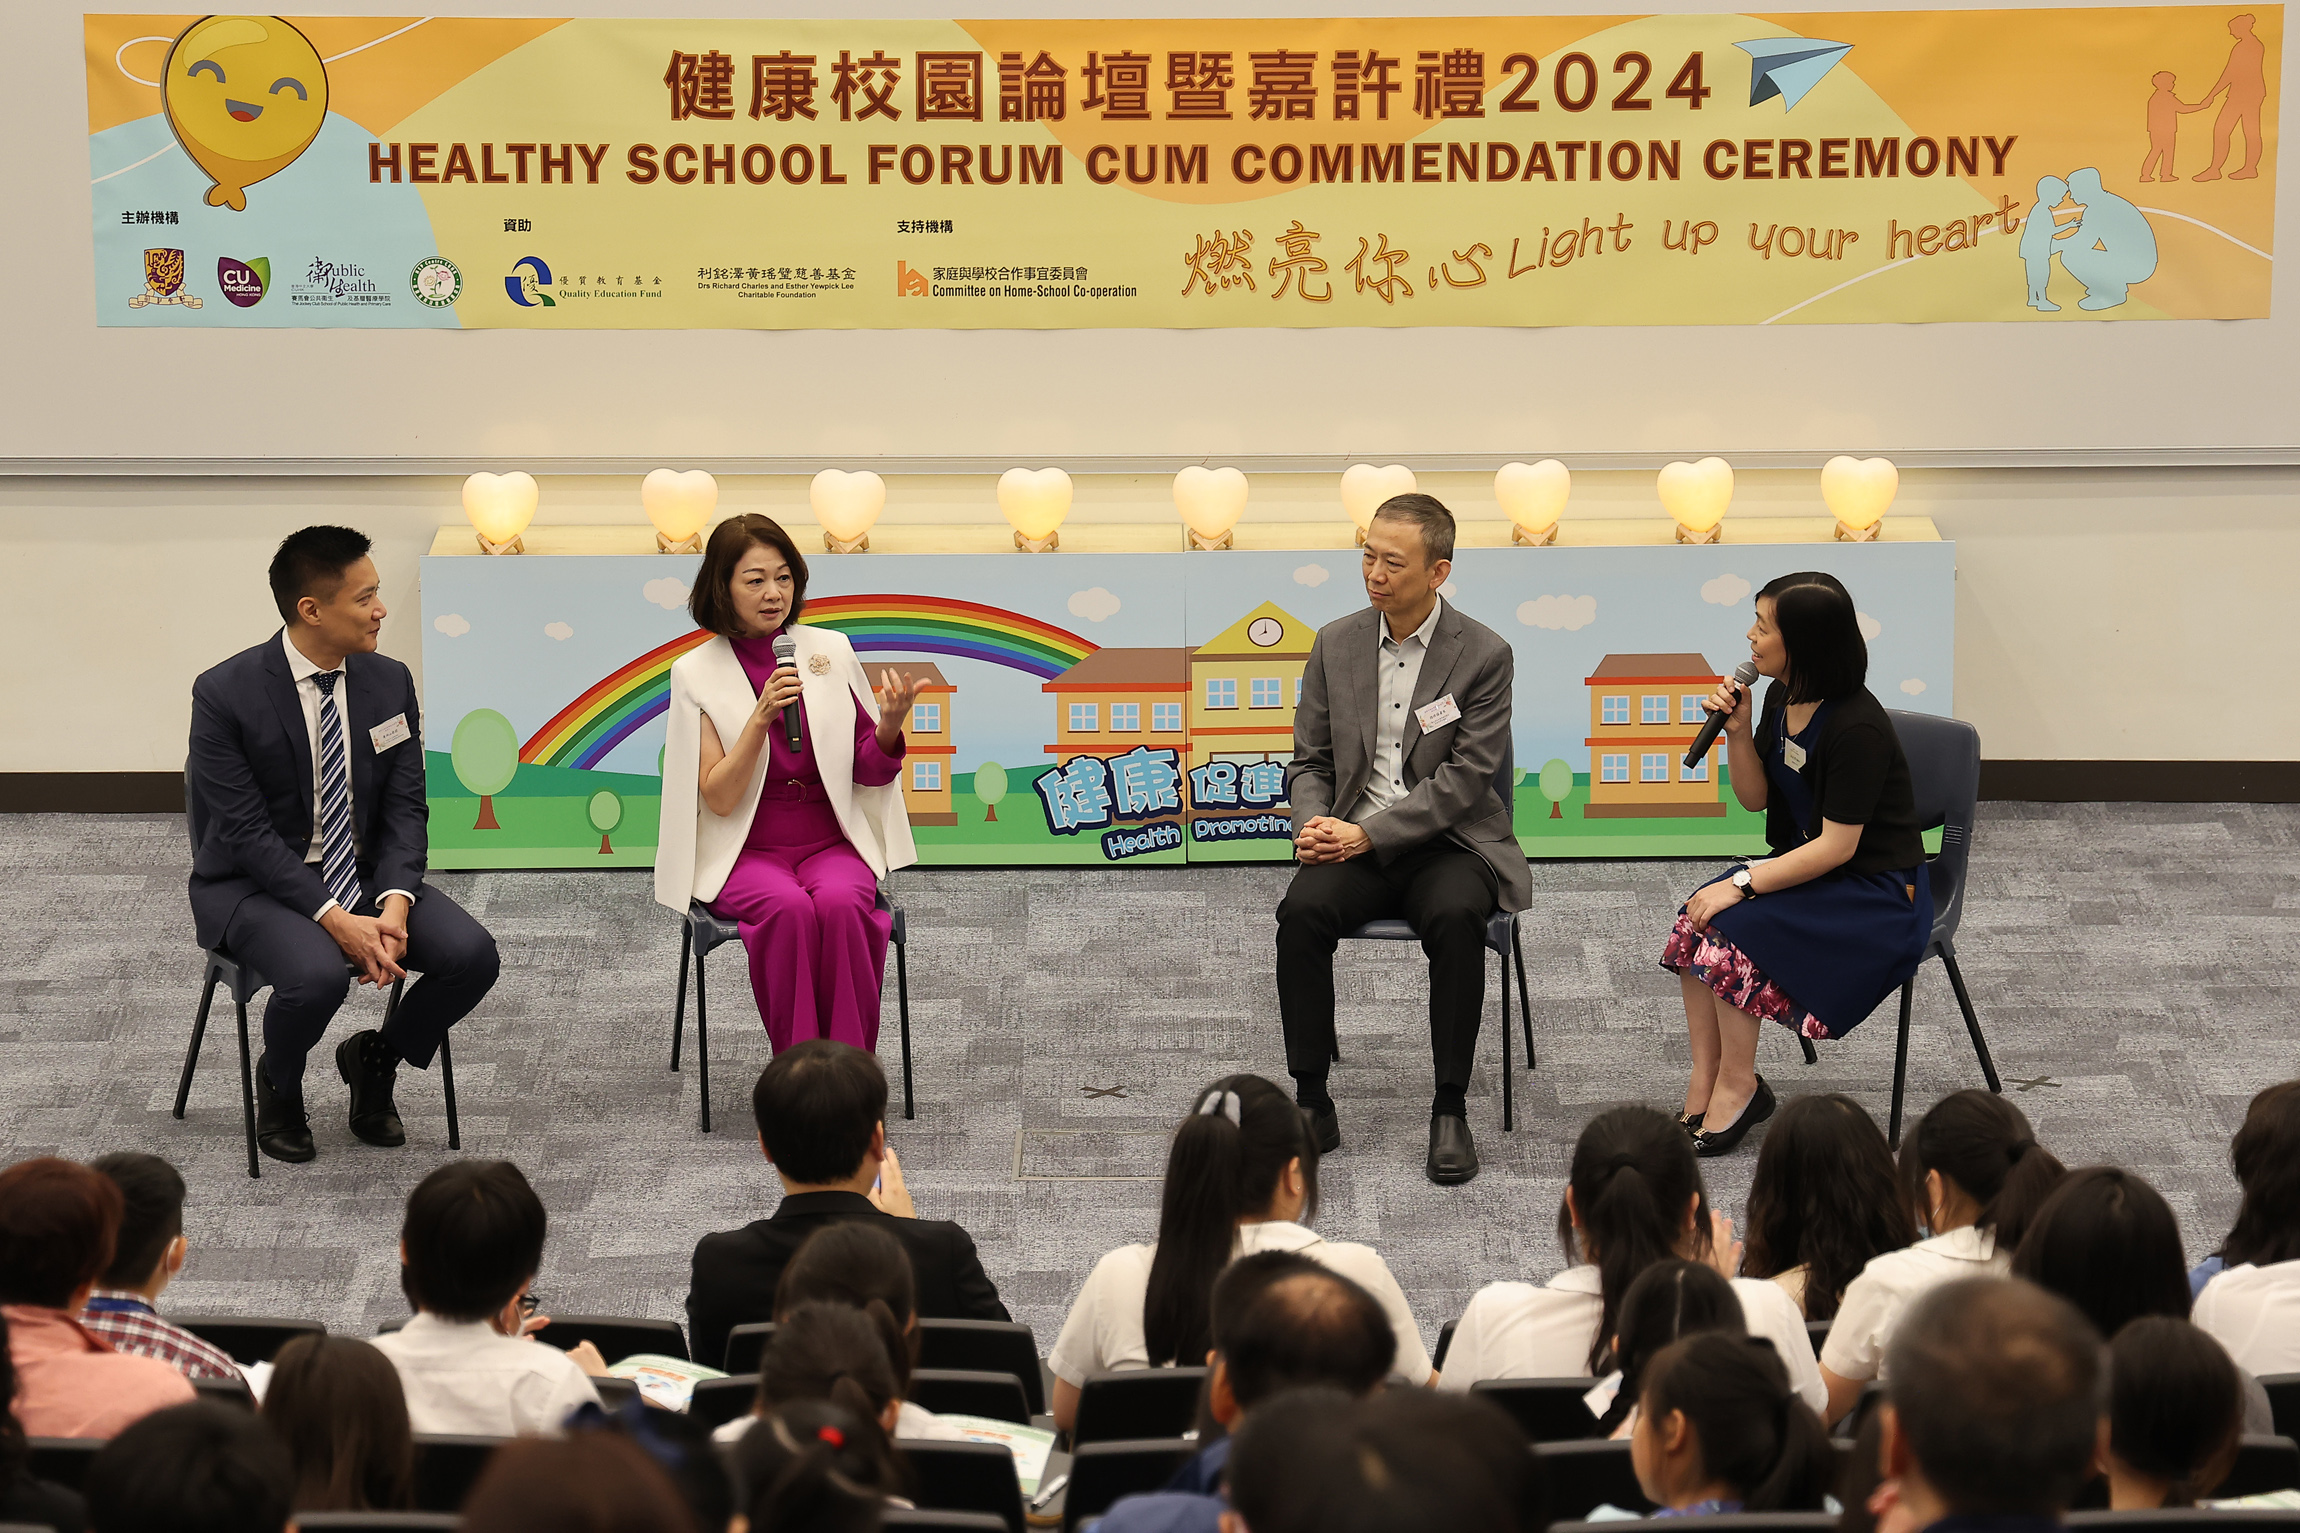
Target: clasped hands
[1326, 839]
[374, 944]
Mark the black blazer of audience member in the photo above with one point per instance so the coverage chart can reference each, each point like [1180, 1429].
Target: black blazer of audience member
[250, 772]
[820, 1107]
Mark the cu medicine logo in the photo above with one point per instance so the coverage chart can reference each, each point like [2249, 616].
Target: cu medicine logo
[243, 283]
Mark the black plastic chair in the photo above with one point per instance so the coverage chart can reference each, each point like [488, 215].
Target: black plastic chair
[1501, 939]
[1102, 1472]
[970, 1392]
[1583, 1476]
[966, 1477]
[2263, 1464]
[935, 1522]
[700, 931]
[719, 1401]
[2284, 1401]
[1734, 1522]
[1548, 1410]
[1945, 768]
[232, 1391]
[447, 1466]
[1136, 1403]
[1445, 1343]
[379, 1522]
[746, 1344]
[616, 1336]
[2186, 1520]
[982, 1346]
[64, 1460]
[245, 983]
[248, 1340]
[1818, 1331]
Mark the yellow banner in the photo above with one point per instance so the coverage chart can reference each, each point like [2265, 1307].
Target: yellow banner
[1887, 166]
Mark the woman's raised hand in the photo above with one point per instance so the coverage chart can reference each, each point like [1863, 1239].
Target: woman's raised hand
[896, 692]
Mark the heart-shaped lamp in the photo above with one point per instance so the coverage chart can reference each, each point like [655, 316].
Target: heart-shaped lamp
[1035, 500]
[1697, 494]
[1210, 501]
[1534, 495]
[1859, 490]
[847, 505]
[500, 506]
[1365, 487]
[679, 504]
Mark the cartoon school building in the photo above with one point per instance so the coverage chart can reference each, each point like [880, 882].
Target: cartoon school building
[1116, 699]
[927, 747]
[1644, 711]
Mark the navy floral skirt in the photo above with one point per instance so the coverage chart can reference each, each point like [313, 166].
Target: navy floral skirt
[1816, 958]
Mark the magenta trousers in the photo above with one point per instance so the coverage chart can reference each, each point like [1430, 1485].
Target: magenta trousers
[805, 902]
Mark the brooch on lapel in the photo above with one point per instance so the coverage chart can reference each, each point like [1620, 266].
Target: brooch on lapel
[819, 664]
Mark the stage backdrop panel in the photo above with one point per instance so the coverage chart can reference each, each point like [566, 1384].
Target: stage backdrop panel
[1099, 708]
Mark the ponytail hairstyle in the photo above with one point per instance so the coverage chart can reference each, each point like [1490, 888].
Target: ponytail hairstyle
[1983, 1143]
[2266, 1157]
[859, 1264]
[2175, 1406]
[1224, 1167]
[1669, 1301]
[1633, 1175]
[1753, 1431]
[832, 1352]
[815, 1466]
[1824, 1197]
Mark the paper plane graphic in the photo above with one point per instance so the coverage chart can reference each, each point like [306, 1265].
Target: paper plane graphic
[1788, 67]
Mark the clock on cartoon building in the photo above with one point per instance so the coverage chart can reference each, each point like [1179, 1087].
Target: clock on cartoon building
[1265, 631]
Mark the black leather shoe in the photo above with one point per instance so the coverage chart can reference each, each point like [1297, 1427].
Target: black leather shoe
[1725, 1140]
[1453, 1154]
[282, 1131]
[369, 1067]
[1691, 1123]
[1325, 1127]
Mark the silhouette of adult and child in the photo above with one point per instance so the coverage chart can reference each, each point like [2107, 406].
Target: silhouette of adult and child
[2244, 79]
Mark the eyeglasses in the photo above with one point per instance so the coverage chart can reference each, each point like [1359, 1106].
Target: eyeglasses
[529, 1303]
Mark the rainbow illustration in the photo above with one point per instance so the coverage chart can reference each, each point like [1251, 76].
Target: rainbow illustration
[612, 708]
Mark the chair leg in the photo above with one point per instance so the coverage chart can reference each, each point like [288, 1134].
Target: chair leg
[1508, 1076]
[902, 1010]
[1524, 996]
[199, 1031]
[247, 1087]
[1806, 1044]
[1972, 1023]
[679, 1008]
[1901, 1059]
[447, 1088]
[702, 1042]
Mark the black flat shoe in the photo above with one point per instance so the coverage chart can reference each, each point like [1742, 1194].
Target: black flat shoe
[1725, 1140]
[370, 1068]
[1325, 1128]
[282, 1131]
[1453, 1153]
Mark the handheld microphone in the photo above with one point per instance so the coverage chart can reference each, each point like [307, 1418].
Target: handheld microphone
[787, 658]
[1744, 674]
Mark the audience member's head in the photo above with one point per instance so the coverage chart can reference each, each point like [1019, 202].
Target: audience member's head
[594, 1483]
[1401, 1461]
[2108, 1243]
[1994, 1390]
[1633, 1197]
[681, 1446]
[1668, 1302]
[59, 1222]
[471, 1241]
[1243, 1152]
[14, 1449]
[2266, 1155]
[834, 1352]
[337, 1404]
[199, 1468]
[1718, 1420]
[858, 1263]
[1974, 1161]
[1858, 1476]
[150, 1248]
[2175, 1414]
[813, 1467]
[1825, 1198]
[1282, 1321]
[821, 1111]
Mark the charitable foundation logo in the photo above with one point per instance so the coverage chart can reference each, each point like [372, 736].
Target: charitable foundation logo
[436, 281]
[908, 283]
[163, 281]
[243, 283]
[529, 284]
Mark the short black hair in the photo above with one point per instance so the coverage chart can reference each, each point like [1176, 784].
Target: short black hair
[198, 1468]
[1401, 1461]
[2175, 1406]
[1282, 1321]
[1426, 512]
[474, 1232]
[817, 1104]
[311, 562]
[153, 1214]
[1828, 658]
[1998, 1387]
[2108, 1243]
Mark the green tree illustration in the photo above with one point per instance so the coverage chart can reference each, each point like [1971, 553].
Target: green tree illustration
[485, 752]
[606, 812]
[1556, 784]
[990, 787]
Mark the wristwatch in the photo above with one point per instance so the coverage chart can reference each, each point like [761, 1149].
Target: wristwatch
[1741, 882]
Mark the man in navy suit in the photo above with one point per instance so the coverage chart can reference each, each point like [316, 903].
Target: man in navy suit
[306, 793]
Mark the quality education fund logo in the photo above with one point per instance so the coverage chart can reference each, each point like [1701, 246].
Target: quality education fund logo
[529, 284]
[436, 282]
[163, 281]
[243, 283]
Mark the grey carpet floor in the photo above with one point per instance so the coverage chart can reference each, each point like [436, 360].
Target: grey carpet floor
[2134, 966]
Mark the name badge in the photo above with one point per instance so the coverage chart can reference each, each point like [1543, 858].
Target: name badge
[1794, 755]
[390, 732]
[1438, 714]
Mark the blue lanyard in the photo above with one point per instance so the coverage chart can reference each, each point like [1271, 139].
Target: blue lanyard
[121, 1307]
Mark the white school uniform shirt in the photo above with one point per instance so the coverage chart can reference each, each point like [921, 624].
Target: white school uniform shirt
[1519, 1331]
[466, 1377]
[1889, 1284]
[914, 1422]
[307, 694]
[1104, 1331]
[2254, 1312]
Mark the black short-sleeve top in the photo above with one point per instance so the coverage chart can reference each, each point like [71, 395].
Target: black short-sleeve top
[1858, 776]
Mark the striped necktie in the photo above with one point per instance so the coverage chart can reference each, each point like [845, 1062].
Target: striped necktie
[337, 862]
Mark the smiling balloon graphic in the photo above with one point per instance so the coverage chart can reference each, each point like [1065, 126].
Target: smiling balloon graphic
[246, 95]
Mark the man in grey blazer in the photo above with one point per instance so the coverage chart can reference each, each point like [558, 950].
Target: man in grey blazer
[1403, 721]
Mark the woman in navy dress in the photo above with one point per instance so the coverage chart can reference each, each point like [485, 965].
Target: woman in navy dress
[1814, 936]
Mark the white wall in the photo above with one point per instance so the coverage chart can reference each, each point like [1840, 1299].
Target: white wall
[2101, 614]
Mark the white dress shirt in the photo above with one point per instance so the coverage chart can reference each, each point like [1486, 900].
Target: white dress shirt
[466, 1377]
[1398, 671]
[307, 693]
[2255, 1313]
[1889, 1284]
[1518, 1331]
[1104, 1331]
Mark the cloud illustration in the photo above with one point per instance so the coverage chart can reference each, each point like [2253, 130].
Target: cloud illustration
[1913, 686]
[1567, 612]
[1869, 626]
[1312, 575]
[668, 592]
[557, 631]
[453, 624]
[1093, 604]
[1725, 591]
[1449, 591]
